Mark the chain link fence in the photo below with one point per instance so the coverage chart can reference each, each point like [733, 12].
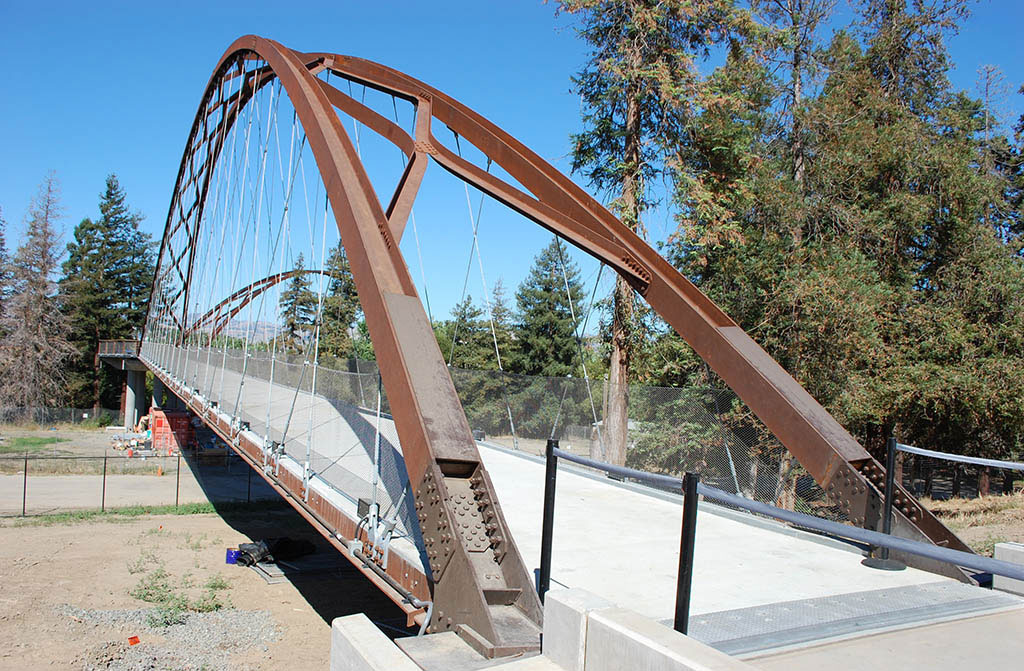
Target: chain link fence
[54, 416]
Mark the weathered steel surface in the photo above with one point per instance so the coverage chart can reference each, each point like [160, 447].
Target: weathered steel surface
[487, 596]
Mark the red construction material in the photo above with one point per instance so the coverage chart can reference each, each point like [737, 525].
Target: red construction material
[172, 431]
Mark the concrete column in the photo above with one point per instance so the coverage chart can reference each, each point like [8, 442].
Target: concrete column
[158, 392]
[135, 398]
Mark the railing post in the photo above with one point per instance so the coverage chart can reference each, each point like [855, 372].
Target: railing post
[177, 480]
[24, 486]
[686, 542]
[547, 528]
[882, 561]
[103, 495]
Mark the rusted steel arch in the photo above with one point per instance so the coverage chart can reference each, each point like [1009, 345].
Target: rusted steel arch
[220, 315]
[485, 593]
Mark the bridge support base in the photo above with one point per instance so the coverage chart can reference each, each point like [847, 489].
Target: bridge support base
[134, 398]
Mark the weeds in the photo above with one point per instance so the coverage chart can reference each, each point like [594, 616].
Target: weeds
[155, 587]
[173, 606]
[143, 562]
[217, 583]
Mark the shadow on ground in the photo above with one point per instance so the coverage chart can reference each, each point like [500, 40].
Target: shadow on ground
[256, 511]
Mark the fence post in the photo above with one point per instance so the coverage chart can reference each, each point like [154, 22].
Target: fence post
[882, 561]
[177, 480]
[103, 495]
[24, 485]
[684, 578]
[548, 526]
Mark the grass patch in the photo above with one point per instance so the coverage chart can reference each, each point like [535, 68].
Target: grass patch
[979, 512]
[23, 444]
[128, 513]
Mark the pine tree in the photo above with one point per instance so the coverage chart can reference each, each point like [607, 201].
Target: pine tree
[104, 292]
[466, 338]
[340, 308]
[35, 347]
[638, 88]
[298, 306]
[130, 257]
[546, 333]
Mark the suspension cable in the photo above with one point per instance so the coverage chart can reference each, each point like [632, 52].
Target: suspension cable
[475, 226]
[576, 333]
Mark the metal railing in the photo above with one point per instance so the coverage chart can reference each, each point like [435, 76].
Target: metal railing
[946, 456]
[119, 348]
[691, 488]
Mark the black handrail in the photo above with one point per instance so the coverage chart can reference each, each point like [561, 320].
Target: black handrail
[866, 536]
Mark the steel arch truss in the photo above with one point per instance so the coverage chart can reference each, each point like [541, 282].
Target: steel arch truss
[485, 592]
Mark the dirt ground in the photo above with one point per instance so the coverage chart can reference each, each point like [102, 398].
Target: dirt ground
[78, 441]
[50, 574]
[983, 522]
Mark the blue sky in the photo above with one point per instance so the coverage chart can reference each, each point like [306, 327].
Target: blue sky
[94, 88]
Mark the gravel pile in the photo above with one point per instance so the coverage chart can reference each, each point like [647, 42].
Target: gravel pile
[202, 641]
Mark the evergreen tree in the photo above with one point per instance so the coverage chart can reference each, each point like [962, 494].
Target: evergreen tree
[340, 308]
[130, 257]
[639, 88]
[546, 334]
[35, 347]
[298, 306]
[856, 279]
[104, 292]
[465, 339]
[503, 321]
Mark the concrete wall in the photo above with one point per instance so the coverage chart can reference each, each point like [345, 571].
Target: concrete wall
[582, 632]
[1011, 552]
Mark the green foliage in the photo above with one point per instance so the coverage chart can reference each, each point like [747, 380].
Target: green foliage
[298, 305]
[104, 292]
[888, 277]
[340, 307]
[549, 302]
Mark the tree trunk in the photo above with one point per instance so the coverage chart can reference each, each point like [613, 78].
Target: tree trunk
[617, 419]
[96, 375]
[957, 481]
[984, 482]
[1008, 481]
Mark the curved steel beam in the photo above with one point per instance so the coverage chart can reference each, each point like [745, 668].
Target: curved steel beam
[220, 316]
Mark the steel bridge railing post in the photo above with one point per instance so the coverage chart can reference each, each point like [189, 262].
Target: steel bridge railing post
[684, 578]
[177, 480]
[24, 486]
[103, 491]
[548, 527]
[882, 561]
[890, 487]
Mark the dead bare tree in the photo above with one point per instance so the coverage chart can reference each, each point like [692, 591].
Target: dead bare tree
[35, 347]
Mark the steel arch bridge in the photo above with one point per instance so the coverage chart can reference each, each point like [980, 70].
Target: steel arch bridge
[234, 216]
